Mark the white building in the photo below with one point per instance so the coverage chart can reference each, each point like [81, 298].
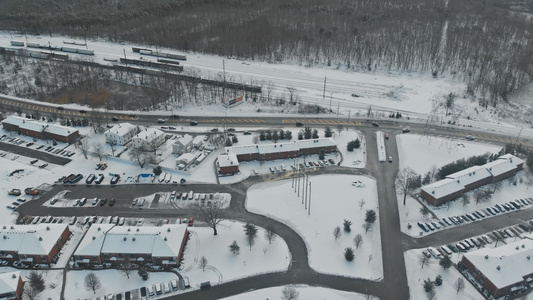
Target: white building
[198, 141]
[185, 160]
[108, 243]
[148, 139]
[181, 144]
[120, 134]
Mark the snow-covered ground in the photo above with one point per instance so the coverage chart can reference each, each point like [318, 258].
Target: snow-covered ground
[334, 198]
[416, 276]
[304, 292]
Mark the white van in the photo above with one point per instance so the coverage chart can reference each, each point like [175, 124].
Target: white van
[167, 288]
[150, 290]
[191, 195]
[173, 195]
[159, 289]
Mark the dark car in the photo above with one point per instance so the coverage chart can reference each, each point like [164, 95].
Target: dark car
[83, 111]
[375, 124]
[112, 202]
[214, 130]
[231, 129]
[299, 124]
[15, 192]
[34, 161]
[103, 202]
[114, 119]
[115, 179]
[60, 108]
[100, 179]
[406, 130]
[193, 123]
[247, 133]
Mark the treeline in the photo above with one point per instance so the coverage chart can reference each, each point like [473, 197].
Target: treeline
[476, 41]
[462, 164]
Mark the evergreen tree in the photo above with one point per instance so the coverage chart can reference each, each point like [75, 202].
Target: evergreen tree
[445, 262]
[328, 132]
[428, 285]
[234, 248]
[348, 254]
[370, 216]
[347, 225]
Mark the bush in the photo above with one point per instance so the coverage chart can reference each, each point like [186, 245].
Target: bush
[348, 254]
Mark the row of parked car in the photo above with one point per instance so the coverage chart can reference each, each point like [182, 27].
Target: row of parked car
[164, 288]
[476, 215]
[480, 241]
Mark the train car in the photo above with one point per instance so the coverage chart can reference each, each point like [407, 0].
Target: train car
[33, 45]
[146, 52]
[176, 56]
[167, 61]
[60, 56]
[17, 43]
[69, 49]
[86, 51]
[137, 50]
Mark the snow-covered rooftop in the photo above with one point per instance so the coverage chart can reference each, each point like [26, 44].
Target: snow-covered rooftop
[186, 157]
[38, 239]
[33, 125]
[504, 265]
[198, 139]
[457, 181]
[149, 134]
[121, 129]
[227, 159]
[470, 175]
[160, 241]
[185, 140]
[9, 282]
[282, 147]
[443, 187]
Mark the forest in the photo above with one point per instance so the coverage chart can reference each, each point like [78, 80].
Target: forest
[486, 44]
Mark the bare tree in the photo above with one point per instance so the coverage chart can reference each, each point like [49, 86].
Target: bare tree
[84, 147]
[212, 214]
[92, 282]
[340, 128]
[289, 293]
[362, 203]
[203, 263]
[367, 226]
[404, 181]
[528, 178]
[127, 268]
[481, 195]
[358, 240]
[97, 118]
[98, 149]
[424, 261]
[337, 232]
[29, 292]
[112, 144]
[459, 285]
[140, 157]
[270, 235]
[465, 199]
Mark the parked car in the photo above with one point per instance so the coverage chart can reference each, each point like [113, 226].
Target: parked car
[103, 202]
[190, 222]
[15, 192]
[95, 201]
[112, 202]
[375, 124]
[115, 179]
[34, 161]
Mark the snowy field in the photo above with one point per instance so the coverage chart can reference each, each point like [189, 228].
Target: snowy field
[304, 292]
[416, 276]
[416, 150]
[334, 198]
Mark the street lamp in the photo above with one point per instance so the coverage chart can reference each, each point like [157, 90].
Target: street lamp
[309, 210]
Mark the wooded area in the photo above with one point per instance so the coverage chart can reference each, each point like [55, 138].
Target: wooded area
[481, 42]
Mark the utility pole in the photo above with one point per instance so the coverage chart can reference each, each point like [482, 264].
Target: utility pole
[516, 142]
[306, 193]
[324, 92]
[338, 107]
[224, 80]
[330, 100]
[309, 210]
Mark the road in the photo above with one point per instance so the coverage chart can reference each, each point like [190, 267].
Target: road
[394, 284]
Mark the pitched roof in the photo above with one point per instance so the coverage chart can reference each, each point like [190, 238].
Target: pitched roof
[9, 282]
[38, 239]
[34, 125]
[149, 134]
[504, 265]
[443, 188]
[159, 241]
[470, 175]
[121, 129]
